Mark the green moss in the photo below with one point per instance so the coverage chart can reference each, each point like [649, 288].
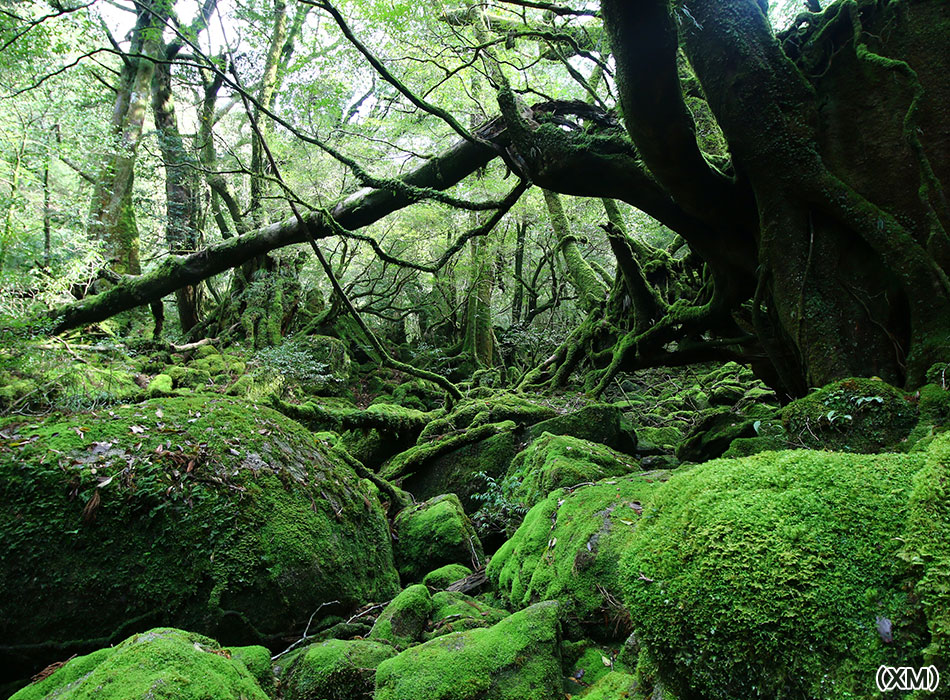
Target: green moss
[568, 548]
[852, 415]
[601, 423]
[404, 620]
[927, 547]
[434, 533]
[257, 660]
[554, 461]
[161, 385]
[515, 659]
[445, 575]
[164, 664]
[448, 465]
[933, 405]
[334, 670]
[214, 514]
[591, 662]
[188, 377]
[614, 685]
[769, 572]
[712, 435]
[454, 612]
[497, 409]
[665, 438]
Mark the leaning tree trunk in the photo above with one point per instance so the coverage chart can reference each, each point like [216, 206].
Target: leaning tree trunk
[836, 131]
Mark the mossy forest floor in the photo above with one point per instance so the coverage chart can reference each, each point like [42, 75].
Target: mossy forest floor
[219, 523]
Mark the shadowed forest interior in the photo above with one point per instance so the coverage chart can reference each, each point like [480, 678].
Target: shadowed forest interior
[476, 350]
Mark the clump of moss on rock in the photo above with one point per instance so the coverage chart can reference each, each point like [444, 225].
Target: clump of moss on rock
[403, 622]
[555, 461]
[434, 533]
[851, 415]
[446, 575]
[771, 572]
[161, 664]
[453, 612]
[334, 670]
[568, 548]
[216, 515]
[516, 659]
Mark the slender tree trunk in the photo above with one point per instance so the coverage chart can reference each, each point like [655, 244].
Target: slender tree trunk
[518, 299]
[591, 290]
[111, 216]
[181, 227]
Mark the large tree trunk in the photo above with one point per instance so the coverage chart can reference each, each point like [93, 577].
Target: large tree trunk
[837, 134]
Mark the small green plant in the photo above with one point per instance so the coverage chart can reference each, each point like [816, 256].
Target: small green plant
[500, 512]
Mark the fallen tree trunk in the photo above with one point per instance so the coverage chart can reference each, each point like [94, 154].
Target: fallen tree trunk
[356, 211]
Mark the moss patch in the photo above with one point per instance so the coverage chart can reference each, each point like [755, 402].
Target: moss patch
[434, 533]
[404, 620]
[554, 461]
[852, 415]
[568, 548]
[516, 659]
[445, 575]
[164, 664]
[213, 514]
[770, 572]
[334, 670]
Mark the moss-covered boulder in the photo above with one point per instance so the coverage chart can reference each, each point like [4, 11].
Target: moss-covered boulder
[432, 534]
[403, 621]
[554, 461]
[776, 572]
[600, 423]
[334, 670]
[712, 435]
[852, 415]
[568, 548]
[216, 515]
[161, 664]
[453, 612]
[445, 576]
[448, 464]
[614, 685]
[516, 659]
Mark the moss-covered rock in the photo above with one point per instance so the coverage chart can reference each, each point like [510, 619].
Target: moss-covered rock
[434, 533]
[403, 622]
[454, 612]
[852, 415]
[600, 423]
[614, 685]
[160, 385]
[446, 575]
[933, 405]
[257, 660]
[713, 434]
[214, 514]
[568, 548]
[772, 572]
[516, 659]
[334, 670]
[659, 438]
[448, 465]
[161, 664]
[184, 377]
[330, 355]
[555, 461]
[927, 548]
